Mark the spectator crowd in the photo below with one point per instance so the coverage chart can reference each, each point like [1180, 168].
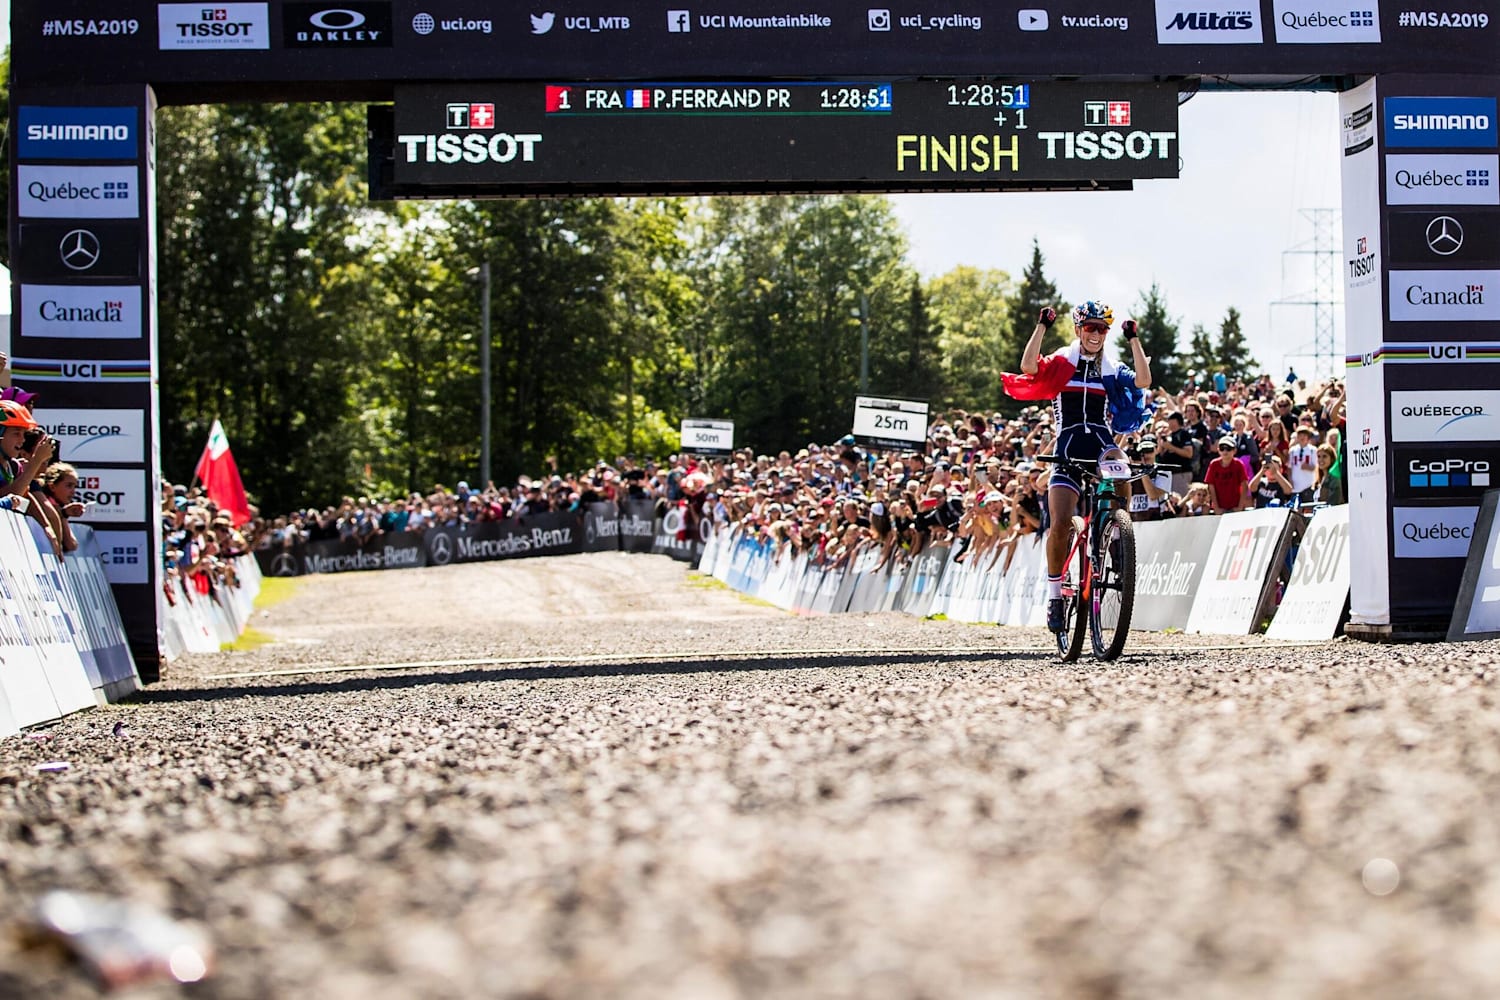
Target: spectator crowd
[977, 481]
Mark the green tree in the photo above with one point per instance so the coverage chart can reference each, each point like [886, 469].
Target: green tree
[262, 243]
[1232, 352]
[1159, 332]
[1035, 292]
[783, 278]
[973, 310]
[1202, 354]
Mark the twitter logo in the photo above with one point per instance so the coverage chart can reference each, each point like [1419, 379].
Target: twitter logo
[541, 24]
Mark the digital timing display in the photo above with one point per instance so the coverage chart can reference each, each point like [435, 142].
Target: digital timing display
[517, 139]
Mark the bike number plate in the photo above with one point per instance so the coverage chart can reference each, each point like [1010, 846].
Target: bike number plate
[1112, 468]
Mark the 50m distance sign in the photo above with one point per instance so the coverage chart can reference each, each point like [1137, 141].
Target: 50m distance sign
[904, 135]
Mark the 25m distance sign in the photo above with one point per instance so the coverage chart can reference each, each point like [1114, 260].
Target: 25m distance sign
[924, 134]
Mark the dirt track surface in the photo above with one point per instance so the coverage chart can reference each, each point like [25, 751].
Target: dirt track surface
[638, 785]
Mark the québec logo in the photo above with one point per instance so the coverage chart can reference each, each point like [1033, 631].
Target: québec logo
[542, 23]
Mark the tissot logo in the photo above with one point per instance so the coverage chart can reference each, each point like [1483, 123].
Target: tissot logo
[336, 26]
[114, 496]
[1200, 22]
[48, 133]
[482, 144]
[191, 27]
[1308, 22]
[1112, 114]
[1361, 269]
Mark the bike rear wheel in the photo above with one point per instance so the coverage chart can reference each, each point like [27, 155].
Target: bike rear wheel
[1111, 597]
[1075, 618]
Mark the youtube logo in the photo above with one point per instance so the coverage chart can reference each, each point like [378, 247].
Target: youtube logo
[1032, 19]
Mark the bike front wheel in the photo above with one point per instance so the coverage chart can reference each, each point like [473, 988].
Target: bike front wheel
[1111, 595]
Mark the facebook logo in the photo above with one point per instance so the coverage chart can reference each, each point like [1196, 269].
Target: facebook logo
[679, 20]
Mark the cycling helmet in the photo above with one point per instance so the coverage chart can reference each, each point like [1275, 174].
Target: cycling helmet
[13, 414]
[1091, 310]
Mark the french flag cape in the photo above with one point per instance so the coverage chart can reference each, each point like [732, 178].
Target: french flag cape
[1127, 403]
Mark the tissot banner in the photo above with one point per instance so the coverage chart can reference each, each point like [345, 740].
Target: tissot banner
[1312, 606]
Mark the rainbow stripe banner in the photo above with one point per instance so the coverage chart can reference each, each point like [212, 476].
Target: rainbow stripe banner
[1423, 353]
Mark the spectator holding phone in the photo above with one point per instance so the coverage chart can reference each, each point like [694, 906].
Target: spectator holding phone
[1270, 485]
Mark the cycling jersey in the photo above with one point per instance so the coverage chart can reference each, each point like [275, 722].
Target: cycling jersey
[1105, 395]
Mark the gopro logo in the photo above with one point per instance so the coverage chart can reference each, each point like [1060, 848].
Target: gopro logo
[1034, 19]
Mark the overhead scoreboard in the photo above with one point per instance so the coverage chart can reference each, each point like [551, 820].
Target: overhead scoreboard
[520, 139]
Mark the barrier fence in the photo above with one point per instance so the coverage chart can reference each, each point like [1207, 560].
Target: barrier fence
[1221, 575]
[63, 647]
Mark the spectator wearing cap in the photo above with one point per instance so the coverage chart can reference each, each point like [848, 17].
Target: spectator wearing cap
[1269, 487]
[1228, 485]
[1177, 451]
[1156, 498]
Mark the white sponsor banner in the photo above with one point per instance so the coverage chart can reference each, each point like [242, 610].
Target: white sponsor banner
[1364, 326]
[1442, 179]
[1433, 532]
[902, 420]
[1205, 22]
[76, 312]
[1241, 563]
[125, 555]
[78, 192]
[194, 27]
[1317, 22]
[114, 496]
[96, 435]
[708, 435]
[1445, 296]
[1446, 416]
[1314, 599]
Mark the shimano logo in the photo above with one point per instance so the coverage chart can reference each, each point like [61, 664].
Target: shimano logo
[1440, 123]
[78, 133]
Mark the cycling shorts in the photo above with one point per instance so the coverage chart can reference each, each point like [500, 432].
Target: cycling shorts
[1081, 443]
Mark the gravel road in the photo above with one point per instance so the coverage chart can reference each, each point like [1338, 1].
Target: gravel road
[601, 776]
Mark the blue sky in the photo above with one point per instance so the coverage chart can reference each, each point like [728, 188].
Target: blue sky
[1216, 237]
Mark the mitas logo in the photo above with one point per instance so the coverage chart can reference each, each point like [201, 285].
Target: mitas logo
[1192, 22]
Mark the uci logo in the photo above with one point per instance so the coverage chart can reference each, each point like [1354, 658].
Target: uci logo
[1446, 352]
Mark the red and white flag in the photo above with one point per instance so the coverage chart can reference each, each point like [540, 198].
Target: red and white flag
[221, 477]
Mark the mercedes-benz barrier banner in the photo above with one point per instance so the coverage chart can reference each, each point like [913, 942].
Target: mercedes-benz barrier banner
[589, 137]
[364, 43]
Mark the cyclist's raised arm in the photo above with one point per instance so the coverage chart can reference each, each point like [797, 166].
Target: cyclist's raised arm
[1033, 351]
[1137, 354]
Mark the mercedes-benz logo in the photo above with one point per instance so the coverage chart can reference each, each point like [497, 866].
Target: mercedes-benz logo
[1445, 236]
[285, 564]
[79, 249]
[440, 550]
[590, 533]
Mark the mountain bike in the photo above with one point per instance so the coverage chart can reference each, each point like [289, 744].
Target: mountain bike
[1099, 574]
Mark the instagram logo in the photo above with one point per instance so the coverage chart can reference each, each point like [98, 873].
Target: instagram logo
[880, 19]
